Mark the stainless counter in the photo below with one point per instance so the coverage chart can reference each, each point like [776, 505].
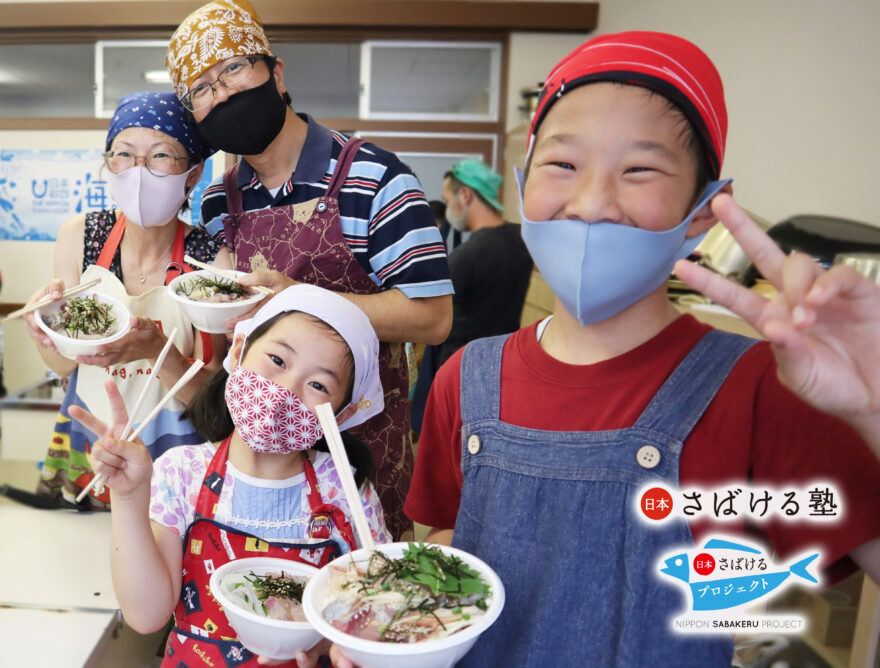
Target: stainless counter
[46, 394]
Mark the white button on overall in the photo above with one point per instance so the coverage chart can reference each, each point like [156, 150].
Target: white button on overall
[473, 444]
[648, 456]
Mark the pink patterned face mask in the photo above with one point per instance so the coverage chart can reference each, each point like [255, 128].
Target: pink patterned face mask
[270, 418]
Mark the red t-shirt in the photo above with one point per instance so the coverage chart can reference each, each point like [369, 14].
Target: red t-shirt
[755, 430]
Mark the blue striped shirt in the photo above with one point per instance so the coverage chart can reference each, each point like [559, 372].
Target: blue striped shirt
[385, 217]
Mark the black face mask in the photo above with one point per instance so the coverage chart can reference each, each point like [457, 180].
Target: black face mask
[247, 122]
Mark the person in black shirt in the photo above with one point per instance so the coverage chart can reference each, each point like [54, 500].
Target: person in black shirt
[491, 271]
[451, 237]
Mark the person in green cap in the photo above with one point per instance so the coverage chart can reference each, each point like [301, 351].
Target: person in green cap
[490, 272]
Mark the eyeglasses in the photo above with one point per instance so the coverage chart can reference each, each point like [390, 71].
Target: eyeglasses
[160, 163]
[235, 75]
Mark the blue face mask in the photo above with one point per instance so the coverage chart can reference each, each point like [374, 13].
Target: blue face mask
[597, 269]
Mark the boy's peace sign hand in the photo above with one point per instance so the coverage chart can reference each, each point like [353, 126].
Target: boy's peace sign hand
[824, 325]
[126, 464]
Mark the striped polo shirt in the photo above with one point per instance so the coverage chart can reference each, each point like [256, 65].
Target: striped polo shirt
[385, 217]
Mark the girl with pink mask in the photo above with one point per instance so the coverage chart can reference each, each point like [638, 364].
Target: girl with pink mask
[263, 485]
[154, 156]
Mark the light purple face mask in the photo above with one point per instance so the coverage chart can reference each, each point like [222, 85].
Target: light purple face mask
[148, 200]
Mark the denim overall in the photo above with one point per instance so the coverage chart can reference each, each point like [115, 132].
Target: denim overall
[554, 514]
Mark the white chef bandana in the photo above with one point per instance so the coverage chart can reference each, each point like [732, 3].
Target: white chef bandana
[353, 326]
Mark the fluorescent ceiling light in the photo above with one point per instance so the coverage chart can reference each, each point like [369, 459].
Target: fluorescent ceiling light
[7, 77]
[157, 76]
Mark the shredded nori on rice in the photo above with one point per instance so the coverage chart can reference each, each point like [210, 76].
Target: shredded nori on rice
[83, 316]
[211, 285]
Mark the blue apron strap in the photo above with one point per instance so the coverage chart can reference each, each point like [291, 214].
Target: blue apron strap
[481, 381]
[687, 393]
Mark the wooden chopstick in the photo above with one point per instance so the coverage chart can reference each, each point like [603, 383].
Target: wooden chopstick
[45, 300]
[184, 379]
[155, 372]
[99, 484]
[226, 274]
[343, 470]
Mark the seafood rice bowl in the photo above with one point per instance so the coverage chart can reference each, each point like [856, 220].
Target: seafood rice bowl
[404, 604]
[261, 598]
[209, 300]
[80, 324]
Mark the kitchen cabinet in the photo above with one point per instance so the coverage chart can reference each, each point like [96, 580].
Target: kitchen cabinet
[867, 632]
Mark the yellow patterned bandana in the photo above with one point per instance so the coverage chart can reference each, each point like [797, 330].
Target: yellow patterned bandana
[210, 35]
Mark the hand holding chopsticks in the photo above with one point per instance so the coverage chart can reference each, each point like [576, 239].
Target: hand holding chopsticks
[45, 300]
[98, 480]
[226, 274]
[343, 469]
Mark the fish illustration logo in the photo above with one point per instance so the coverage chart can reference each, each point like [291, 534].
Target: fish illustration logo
[725, 574]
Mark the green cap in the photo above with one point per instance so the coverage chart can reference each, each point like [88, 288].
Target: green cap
[478, 175]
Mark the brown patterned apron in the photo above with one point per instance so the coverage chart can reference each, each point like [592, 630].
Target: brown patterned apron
[305, 242]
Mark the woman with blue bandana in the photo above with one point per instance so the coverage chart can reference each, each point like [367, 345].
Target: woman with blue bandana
[154, 156]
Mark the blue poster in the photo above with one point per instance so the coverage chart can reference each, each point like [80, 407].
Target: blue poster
[191, 215]
[40, 190]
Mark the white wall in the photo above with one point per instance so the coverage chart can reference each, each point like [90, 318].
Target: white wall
[531, 57]
[802, 82]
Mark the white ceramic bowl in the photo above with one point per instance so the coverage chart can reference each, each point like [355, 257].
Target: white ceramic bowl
[272, 638]
[72, 347]
[441, 653]
[208, 317]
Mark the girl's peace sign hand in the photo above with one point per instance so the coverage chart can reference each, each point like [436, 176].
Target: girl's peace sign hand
[824, 325]
[126, 464]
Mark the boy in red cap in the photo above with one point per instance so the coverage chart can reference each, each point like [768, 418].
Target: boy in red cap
[536, 445]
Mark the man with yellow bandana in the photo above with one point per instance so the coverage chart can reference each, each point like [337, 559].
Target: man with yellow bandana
[306, 204]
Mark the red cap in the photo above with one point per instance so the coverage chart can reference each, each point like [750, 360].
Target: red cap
[664, 63]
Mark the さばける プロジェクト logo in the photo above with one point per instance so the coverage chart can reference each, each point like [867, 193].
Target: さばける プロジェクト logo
[724, 576]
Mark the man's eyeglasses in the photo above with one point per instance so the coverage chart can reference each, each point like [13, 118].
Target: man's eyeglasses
[160, 163]
[234, 75]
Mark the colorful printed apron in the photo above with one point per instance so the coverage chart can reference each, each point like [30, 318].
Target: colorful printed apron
[305, 242]
[554, 514]
[66, 465]
[202, 635]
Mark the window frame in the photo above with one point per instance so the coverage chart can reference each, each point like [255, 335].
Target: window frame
[100, 45]
[496, 49]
